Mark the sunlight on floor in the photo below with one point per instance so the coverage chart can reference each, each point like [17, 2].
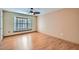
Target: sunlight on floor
[25, 42]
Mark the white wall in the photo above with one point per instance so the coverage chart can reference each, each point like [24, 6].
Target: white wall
[63, 24]
[9, 19]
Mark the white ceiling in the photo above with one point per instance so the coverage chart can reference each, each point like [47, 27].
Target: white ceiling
[25, 10]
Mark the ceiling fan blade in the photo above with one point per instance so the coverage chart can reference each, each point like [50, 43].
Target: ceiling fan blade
[31, 11]
[36, 12]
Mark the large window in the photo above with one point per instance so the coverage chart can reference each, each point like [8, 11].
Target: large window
[22, 24]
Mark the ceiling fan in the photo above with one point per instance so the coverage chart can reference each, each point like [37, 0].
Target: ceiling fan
[34, 11]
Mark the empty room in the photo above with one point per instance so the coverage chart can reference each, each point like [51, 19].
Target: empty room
[39, 28]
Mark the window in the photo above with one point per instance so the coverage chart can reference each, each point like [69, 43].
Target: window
[22, 24]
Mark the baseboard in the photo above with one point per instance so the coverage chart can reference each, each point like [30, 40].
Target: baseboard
[51, 35]
[20, 34]
[59, 38]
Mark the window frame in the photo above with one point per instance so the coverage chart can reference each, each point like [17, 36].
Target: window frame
[14, 24]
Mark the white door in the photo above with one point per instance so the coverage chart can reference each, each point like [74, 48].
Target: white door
[1, 25]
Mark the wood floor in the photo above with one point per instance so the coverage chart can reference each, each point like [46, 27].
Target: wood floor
[36, 41]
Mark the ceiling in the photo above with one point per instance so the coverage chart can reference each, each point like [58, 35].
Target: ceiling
[25, 10]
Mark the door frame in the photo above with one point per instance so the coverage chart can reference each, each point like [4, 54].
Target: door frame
[1, 17]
